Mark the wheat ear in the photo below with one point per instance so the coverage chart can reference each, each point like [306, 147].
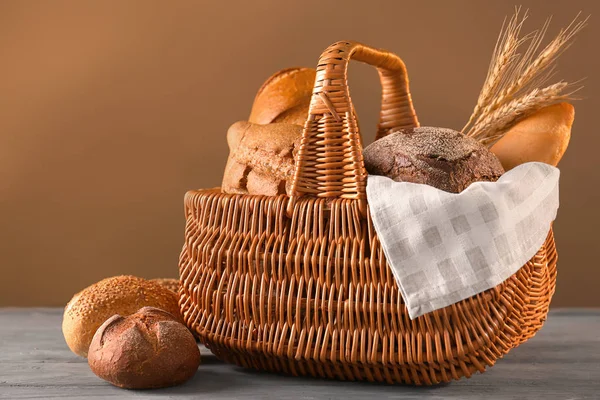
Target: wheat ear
[489, 128]
[513, 86]
[504, 54]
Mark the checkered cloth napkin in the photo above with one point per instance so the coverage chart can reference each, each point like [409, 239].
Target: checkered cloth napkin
[445, 247]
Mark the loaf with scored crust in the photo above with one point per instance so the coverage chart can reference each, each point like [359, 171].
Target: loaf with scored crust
[148, 349]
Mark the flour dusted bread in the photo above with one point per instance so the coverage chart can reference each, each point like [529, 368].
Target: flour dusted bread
[122, 295]
[439, 157]
[148, 349]
[543, 136]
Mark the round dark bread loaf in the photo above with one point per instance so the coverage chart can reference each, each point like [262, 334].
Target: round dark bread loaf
[439, 157]
[148, 349]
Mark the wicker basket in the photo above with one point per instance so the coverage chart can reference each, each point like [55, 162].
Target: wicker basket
[300, 284]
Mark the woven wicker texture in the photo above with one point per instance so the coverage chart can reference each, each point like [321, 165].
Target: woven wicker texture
[300, 285]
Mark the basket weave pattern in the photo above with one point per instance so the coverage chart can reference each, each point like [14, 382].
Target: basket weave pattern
[300, 284]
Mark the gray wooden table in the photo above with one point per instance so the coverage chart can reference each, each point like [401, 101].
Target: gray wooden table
[561, 362]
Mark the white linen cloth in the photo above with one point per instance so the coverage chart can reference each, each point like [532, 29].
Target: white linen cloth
[445, 247]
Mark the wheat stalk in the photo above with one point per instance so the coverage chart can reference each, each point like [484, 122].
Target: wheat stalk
[504, 54]
[513, 88]
[497, 121]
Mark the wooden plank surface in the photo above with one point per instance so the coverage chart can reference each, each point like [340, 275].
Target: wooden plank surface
[561, 362]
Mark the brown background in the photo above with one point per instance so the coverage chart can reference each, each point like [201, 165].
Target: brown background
[111, 110]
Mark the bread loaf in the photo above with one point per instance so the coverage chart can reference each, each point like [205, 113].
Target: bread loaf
[169, 283]
[261, 158]
[122, 295]
[148, 349]
[543, 137]
[439, 157]
[284, 97]
[261, 150]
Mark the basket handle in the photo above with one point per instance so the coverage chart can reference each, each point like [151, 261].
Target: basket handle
[329, 162]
